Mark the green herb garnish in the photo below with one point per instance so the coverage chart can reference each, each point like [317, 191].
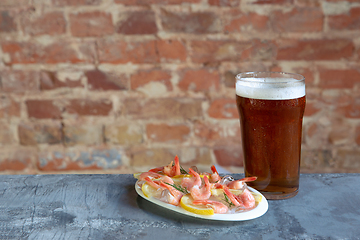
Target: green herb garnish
[179, 188]
[227, 200]
[183, 171]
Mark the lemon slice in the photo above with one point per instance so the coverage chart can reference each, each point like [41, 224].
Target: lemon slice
[150, 191]
[219, 192]
[178, 178]
[181, 176]
[186, 203]
[257, 197]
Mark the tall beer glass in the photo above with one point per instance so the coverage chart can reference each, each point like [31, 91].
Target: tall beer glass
[271, 108]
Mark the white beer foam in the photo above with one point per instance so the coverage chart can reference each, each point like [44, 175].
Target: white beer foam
[270, 88]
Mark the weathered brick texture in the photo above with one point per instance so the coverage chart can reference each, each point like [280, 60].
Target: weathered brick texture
[118, 86]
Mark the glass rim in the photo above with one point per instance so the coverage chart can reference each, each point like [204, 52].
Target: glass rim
[295, 77]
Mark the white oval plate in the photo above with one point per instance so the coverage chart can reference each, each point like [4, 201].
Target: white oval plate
[260, 209]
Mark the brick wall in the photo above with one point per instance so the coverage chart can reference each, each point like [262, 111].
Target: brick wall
[118, 86]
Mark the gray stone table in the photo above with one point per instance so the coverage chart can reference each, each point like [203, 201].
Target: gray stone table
[107, 207]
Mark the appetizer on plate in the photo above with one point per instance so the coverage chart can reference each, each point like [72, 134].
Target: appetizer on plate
[202, 193]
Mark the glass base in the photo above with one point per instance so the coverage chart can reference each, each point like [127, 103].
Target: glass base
[278, 195]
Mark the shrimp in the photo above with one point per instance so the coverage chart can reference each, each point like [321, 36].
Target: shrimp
[195, 180]
[163, 178]
[239, 184]
[214, 177]
[171, 170]
[156, 170]
[245, 200]
[218, 207]
[203, 193]
[150, 175]
[174, 196]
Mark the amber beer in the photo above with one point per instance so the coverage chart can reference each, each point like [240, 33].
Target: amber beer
[271, 107]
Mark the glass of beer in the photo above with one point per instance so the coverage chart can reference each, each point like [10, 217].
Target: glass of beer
[271, 108]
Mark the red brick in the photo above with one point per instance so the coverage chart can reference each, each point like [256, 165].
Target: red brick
[78, 159]
[167, 133]
[298, 20]
[141, 78]
[338, 78]
[51, 23]
[311, 108]
[357, 135]
[223, 108]
[148, 2]
[237, 21]
[82, 134]
[14, 3]
[38, 133]
[229, 79]
[351, 109]
[7, 22]
[340, 135]
[316, 160]
[126, 134]
[163, 108]
[217, 132]
[312, 130]
[350, 21]
[350, 1]
[195, 156]
[224, 3]
[19, 81]
[63, 3]
[260, 51]
[153, 157]
[199, 80]
[119, 52]
[307, 73]
[308, 3]
[349, 160]
[323, 49]
[6, 134]
[230, 155]
[171, 50]
[91, 24]
[190, 22]
[86, 107]
[334, 97]
[140, 22]
[280, 2]
[62, 51]
[49, 81]
[16, 160]
[9, 107]
[43, 109]
[99, 80]
[217, 50]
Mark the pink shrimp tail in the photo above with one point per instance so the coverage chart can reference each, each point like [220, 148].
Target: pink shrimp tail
[177, 166]
[171, 170]
[231, 196]
[149, 174]
[156, 170]
[151, 182]
[248, 179]
[213, 169]
[215, 177]
[218, 207]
